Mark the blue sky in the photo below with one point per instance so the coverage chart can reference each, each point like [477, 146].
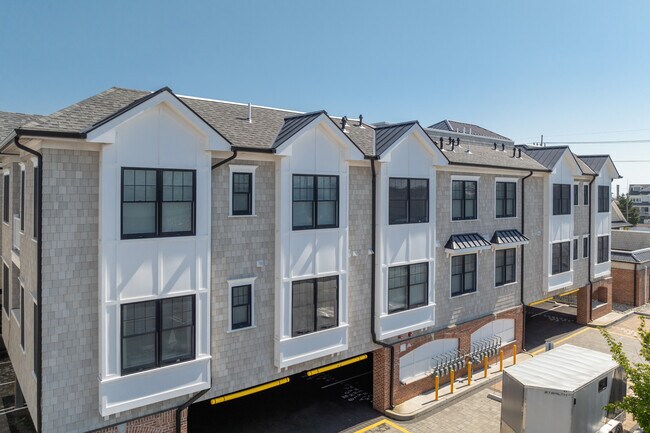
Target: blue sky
[569, 70]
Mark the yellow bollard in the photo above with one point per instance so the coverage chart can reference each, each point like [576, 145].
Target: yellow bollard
[500, 360]
[469, 373]
[514, 354]
[437, 385]
[485, 366]
[451, 382]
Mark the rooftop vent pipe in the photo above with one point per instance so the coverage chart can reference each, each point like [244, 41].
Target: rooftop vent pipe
[442, 143]
[503, 147]
[495, 145]
[458, 141]
[250, 113]
[344, 122]
[519, 155]
[514, 152]
[360, 120]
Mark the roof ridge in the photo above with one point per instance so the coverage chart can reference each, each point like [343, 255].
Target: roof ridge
[221, 101]
[413, 122]
[20, 114]
[311, 113]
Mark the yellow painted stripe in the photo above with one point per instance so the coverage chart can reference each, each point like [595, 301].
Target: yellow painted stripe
[532, 304]
[562, 340]
[571, 292]
[382, 422]
[336, 365]
[249, 391]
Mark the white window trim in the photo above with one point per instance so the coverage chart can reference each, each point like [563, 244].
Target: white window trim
[494, 268]
[241, 282]
[241, 169]
[450, 274]
[451, 196]
[507, 180]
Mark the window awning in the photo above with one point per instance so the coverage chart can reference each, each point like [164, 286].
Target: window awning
[503, 238]
[465, 243]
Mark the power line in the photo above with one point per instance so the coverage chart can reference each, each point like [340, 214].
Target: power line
[599, 142]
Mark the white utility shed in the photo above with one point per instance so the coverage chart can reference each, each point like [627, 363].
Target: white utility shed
[561, 391]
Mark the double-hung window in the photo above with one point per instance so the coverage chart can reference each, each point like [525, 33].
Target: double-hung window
[576, 188]
[603, 249]
[407, 287]
[315, 202]
[5, 197]
[241, 301]
[561, 260]
[463, 199]
[242, 193]
[585, 192]
[603, 198]
[408, 200]
[561, 199]
[157, 202]
[157, 333]
[575, 249]
[314, 305]
[506, 200]
[505, 267]
[463, 274]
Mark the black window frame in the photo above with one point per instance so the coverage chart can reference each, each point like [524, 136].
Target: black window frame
[463, 200]
[159, 202]
[509, 259]
[35, 190]
[314, 202]
[585, 191]
[22, 318]
[249, 193]
[576, 187]
[463, 274]
[561, 199]
[315, 326]
[407, 288]
[249, 305]
[603, 249]
[392, 220]
[603, 198]
[585, 247]
[158, 362]
[506, 199]
[22, 200]
[36, 349]
[6, 191]
[5, 288]
[563, 250]
[576, 256]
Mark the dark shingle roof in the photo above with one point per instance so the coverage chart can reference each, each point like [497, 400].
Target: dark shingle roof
[294, 124]
[466, 128]
[630, 256]
[465, 241]
[485, 155]
[10, 121]
[595, 162]
[385, 136]
[508, 237]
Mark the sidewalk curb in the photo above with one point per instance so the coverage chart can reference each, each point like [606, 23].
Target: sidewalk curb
[620, 319]
[431, 409]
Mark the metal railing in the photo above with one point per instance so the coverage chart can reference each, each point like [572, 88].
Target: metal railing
[457, 359]
[16, 234]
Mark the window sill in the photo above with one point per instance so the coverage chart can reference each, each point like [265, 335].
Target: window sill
[13, 313]
[315, 333]
[467, 220]
[463, 295]
[506, 218]
[242, 216]
[232, 331]
[5, 223]
[506, 285]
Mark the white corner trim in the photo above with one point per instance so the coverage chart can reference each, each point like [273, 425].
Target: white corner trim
[22, 166]
[34, 161]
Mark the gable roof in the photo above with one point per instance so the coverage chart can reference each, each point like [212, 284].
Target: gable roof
[294, 124]
[549, 156]
[596, 162]
[10, 121]
[618, 220]
[386, 135]
[466, 128]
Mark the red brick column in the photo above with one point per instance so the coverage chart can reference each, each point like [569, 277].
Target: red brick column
[381, 379]
[584, 305]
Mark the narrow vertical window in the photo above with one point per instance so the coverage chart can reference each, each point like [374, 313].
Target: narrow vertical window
[505, 267]
[603, 249]
[177, 204]
[575, 249]
[575, 194]
[603, 199]
[242, 193]
[506, 199]
[585, 247]
[5, 198]
[22, 318]
[463, 200]
[463, 274]
[22, 200]
[36, 190]
[176, 329]
[36, 347]
[561, 257]
[5, 288]
[585, 198]
[561, 199]
[241, 314]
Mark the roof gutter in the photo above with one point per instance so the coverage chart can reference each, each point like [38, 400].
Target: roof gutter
[523, 228]
[373, 264]
[227, 160]
[39, 281]
[469, 164]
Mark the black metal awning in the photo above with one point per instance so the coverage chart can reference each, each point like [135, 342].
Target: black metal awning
[467, 241]
[509, 237]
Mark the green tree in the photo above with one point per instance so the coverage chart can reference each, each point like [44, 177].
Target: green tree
[638, 375]
[630, 213]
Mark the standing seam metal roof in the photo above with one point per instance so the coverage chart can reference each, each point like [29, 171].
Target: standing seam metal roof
[465, 241]
[385, 136]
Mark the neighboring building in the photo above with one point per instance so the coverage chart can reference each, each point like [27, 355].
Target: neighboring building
[161, 249]
[631, 267]
[618, 220]
[640, 196]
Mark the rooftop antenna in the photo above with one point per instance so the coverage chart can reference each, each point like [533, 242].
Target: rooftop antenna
[250, 113]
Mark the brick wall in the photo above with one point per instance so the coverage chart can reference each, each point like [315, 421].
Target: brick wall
[602, 292]
[163, 422]
[623, 285]
[463, 332]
